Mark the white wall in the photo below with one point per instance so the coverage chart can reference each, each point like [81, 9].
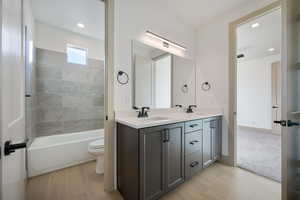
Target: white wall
[56, 39]
[183, 73]
[133, 18]
[213, 61]
[254, 92]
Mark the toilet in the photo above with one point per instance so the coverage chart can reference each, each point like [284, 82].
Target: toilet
[96, 148]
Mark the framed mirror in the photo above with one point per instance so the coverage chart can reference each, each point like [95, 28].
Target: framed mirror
[158, 80]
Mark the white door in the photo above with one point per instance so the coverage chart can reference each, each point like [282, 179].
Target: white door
[291, 100]
[276, 96]
[13, 172]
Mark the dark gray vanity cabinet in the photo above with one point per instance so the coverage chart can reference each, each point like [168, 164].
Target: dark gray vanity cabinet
[156, 160]
[153, 161]
[211, 140]
[193, 147]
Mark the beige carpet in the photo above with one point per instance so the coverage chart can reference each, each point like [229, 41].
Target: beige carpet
[259, 152]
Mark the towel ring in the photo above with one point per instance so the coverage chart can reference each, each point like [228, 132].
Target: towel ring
[185, 88]
[120, 74]
[205, 86]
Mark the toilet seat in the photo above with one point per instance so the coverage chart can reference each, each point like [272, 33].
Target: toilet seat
[98, 144]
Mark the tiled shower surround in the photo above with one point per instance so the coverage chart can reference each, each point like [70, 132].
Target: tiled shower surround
[70, 97]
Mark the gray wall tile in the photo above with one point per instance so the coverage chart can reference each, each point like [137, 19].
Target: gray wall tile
[48, 100]
[71, 101]
[70, 97]
[49, 73]
[49, 86]
[71, 114]
[44, 114]
[98, 101]
[50, 58]
[49, 128]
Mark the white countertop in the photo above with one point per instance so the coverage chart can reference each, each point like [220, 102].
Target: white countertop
[163, 117]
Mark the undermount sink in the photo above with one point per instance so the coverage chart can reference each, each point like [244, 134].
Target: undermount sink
[153, 119]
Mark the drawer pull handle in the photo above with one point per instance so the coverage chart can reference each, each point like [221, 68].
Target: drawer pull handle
[194, 164]
[193, 142]
[193, 125]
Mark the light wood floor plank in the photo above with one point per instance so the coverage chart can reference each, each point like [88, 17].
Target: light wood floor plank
[217, 182]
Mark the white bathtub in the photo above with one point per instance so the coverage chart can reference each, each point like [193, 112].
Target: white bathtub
[51, 153]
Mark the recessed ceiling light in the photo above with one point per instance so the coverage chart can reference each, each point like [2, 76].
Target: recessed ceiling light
[271, 49]
[255, 25]
[80, 25]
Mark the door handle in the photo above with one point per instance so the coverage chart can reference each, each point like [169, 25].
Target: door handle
[288, 123]
[281, 122]
[193, 125]
[193, 142]
[166, 136]
[275, 107]
[11, 148]
[194, 164]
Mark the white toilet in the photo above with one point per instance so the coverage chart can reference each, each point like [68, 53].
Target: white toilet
[96, 148]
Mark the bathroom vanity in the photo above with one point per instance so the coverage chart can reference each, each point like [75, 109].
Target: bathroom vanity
[156, 155]
[158, 152]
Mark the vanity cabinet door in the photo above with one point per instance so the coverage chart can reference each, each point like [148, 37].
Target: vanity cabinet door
[174, 153]
[161, 160]
[152, 162]
[207, 143]
[211, 140]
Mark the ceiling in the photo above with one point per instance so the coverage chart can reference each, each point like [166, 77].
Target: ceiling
[67, 13]
[198, 12]
[255, 42]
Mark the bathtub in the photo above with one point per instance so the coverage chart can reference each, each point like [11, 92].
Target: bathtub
[50, 153]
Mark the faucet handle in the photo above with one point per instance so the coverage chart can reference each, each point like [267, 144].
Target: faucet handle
[190, 108]
[135, 108]
[145, 108]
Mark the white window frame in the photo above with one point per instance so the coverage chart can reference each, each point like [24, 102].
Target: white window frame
[79, 48]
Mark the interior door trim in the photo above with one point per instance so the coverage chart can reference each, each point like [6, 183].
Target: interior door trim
[232, 138]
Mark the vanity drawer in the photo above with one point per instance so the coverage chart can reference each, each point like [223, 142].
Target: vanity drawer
[193, 164]
[193, 142]
[193, 125]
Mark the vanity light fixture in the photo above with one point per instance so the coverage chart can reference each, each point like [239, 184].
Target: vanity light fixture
[165, 42]
[80, 25]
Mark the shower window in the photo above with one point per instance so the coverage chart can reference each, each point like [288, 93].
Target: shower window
[76, 55]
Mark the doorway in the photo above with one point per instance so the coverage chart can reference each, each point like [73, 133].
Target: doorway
[65, 95]
[257, 96]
